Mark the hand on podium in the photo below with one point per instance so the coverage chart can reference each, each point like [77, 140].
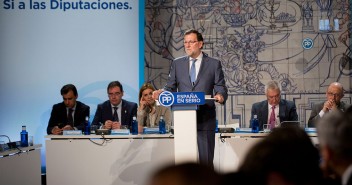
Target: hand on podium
[156, 94]
[219, 98]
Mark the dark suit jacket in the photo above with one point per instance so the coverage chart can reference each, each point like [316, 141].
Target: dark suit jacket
[314, 115]
[210, 80]
[104, 112]
[287, 111]
[59, 115]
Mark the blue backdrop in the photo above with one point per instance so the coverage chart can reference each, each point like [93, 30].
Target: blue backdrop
[44, 47]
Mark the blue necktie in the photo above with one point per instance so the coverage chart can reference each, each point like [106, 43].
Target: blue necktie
[192, 73]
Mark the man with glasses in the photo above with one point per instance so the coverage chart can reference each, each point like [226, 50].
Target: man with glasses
[334, 94]
[274, 110]
[197, 72]
[115, 112]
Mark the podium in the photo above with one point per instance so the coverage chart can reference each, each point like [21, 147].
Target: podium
[185, 133]
[184, 106]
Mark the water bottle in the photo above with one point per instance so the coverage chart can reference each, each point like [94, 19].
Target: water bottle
[24, 137]
[134, 126]
[86, 126]
[216, 126]
[255, 124]
[162, 129]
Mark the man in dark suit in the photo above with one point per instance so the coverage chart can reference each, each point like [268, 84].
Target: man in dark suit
[274, 110]
[69, 114]
[333, 102]
[199, 73]
[335, 143]
[115, 112]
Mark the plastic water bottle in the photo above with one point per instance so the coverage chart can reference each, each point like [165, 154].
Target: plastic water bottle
[216, 126]
[255, 124]
[162, 129]
[24, 137]
[134, 126]
[86, 126]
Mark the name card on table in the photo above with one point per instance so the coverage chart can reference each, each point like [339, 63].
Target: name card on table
[72, 132]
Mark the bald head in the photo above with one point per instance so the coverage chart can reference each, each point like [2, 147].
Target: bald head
[335, 92]
[336, 85]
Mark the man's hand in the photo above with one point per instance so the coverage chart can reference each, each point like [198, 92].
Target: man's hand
[108, 124]
[115, 125]
[329, 105]
[56, 130]
[156, 94]
[68, 127]
[219, 98]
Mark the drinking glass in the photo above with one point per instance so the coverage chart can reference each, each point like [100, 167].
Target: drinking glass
[266, 128]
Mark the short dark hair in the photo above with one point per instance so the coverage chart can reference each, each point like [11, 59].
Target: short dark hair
[114, 84]
[199, 35]
[67, 88]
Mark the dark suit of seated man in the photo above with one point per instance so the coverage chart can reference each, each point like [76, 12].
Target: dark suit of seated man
[115, 112]
[69, 114]
[284, 110]
[333, 102]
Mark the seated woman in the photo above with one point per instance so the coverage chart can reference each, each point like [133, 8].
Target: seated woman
[148, 114]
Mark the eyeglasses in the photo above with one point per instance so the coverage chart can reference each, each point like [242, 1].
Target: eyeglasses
[114, 94]
[190, 42]
[334, 94]
[274, 97]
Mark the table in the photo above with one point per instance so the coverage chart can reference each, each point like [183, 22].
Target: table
[21, 166]
[231, 149]
[131, 159]
[122, 159]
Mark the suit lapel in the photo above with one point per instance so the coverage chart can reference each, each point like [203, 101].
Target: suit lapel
[64, 113]
[201, 68]
[186, 65]
[109, 111]
[265, 112]
[282, 108]
[75, 114]
[123, 111]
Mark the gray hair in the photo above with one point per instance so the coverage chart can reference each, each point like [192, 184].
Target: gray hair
[335, 131]
[272, 85]
[337, 84]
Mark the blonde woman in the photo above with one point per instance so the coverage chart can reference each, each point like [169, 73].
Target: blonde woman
[148, 114]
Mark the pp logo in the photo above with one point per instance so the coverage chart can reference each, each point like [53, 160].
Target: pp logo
[166, 98]
[307, 43]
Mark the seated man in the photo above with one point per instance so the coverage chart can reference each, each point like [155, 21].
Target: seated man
[334, 94]
[69, 114]
[274, 110]
[116, 111]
